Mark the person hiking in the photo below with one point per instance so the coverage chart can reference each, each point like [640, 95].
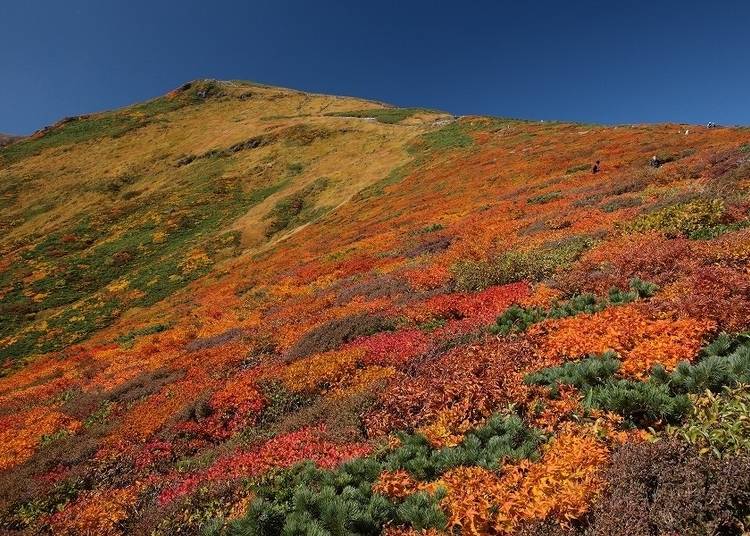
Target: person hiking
[655, 163]
[595, 169]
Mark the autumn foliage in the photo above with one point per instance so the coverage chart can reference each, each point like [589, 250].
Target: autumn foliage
[213, 287]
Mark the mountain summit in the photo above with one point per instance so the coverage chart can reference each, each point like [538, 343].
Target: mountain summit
[243, 309]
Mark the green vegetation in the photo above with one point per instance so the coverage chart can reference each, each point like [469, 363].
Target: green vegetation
[516, 319]
[433, 227]
[621, 203]
[664, 396]
[578, 168]
[378, 188]
[697, 219]
[149, 257]
[109, 124]
[309, 500]
[544, 198]
[514, 266]
[726, 362]
[296, 209]
[640, 402]
[580, 374]
[718, 423]
[451, 136]
[74, 130]
[499, 439]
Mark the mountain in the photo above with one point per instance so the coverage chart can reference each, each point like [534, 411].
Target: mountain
[242, 309]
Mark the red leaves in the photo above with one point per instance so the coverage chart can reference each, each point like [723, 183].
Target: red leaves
[472, 381]
[281, 451]
[482, 306]
[717, 293]
[392, 348]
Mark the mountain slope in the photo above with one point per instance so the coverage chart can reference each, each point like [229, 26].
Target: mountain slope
[233, 278]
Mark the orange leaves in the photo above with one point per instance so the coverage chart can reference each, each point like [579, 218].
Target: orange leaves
[560, 486]
[95, 513]
[428, 277]
[149, 415]
[540, 296]
[21, 433]
[641, 340]
[239, 395]
[367, 379]
[397, 484]
[320, 370]
[474, 494]
[448, 429]
[554, 410]
[224, 333]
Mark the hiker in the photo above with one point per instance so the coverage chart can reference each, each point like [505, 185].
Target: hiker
[655, 163]
[595, 169]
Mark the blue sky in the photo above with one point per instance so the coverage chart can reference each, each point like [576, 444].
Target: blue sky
[593, 61]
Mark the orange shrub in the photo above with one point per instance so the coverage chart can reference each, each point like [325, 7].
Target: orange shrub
[95, 513]
[320, 370]
[560, 487]
[363, 380]
[641, 340]
[397, 484]
[21, 433]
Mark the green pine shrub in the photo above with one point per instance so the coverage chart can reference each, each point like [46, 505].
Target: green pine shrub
[308, 500]
[589, 372]
[725, 363]
[640, 402]
[518, 319]
[422, 512]
[500, 438]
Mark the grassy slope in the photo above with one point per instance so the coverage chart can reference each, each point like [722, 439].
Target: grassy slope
[178, 278]
[106, 205]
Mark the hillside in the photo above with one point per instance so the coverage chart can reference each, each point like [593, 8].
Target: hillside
[242, 309]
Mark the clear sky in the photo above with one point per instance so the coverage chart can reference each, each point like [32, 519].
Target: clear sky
[595, 61]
